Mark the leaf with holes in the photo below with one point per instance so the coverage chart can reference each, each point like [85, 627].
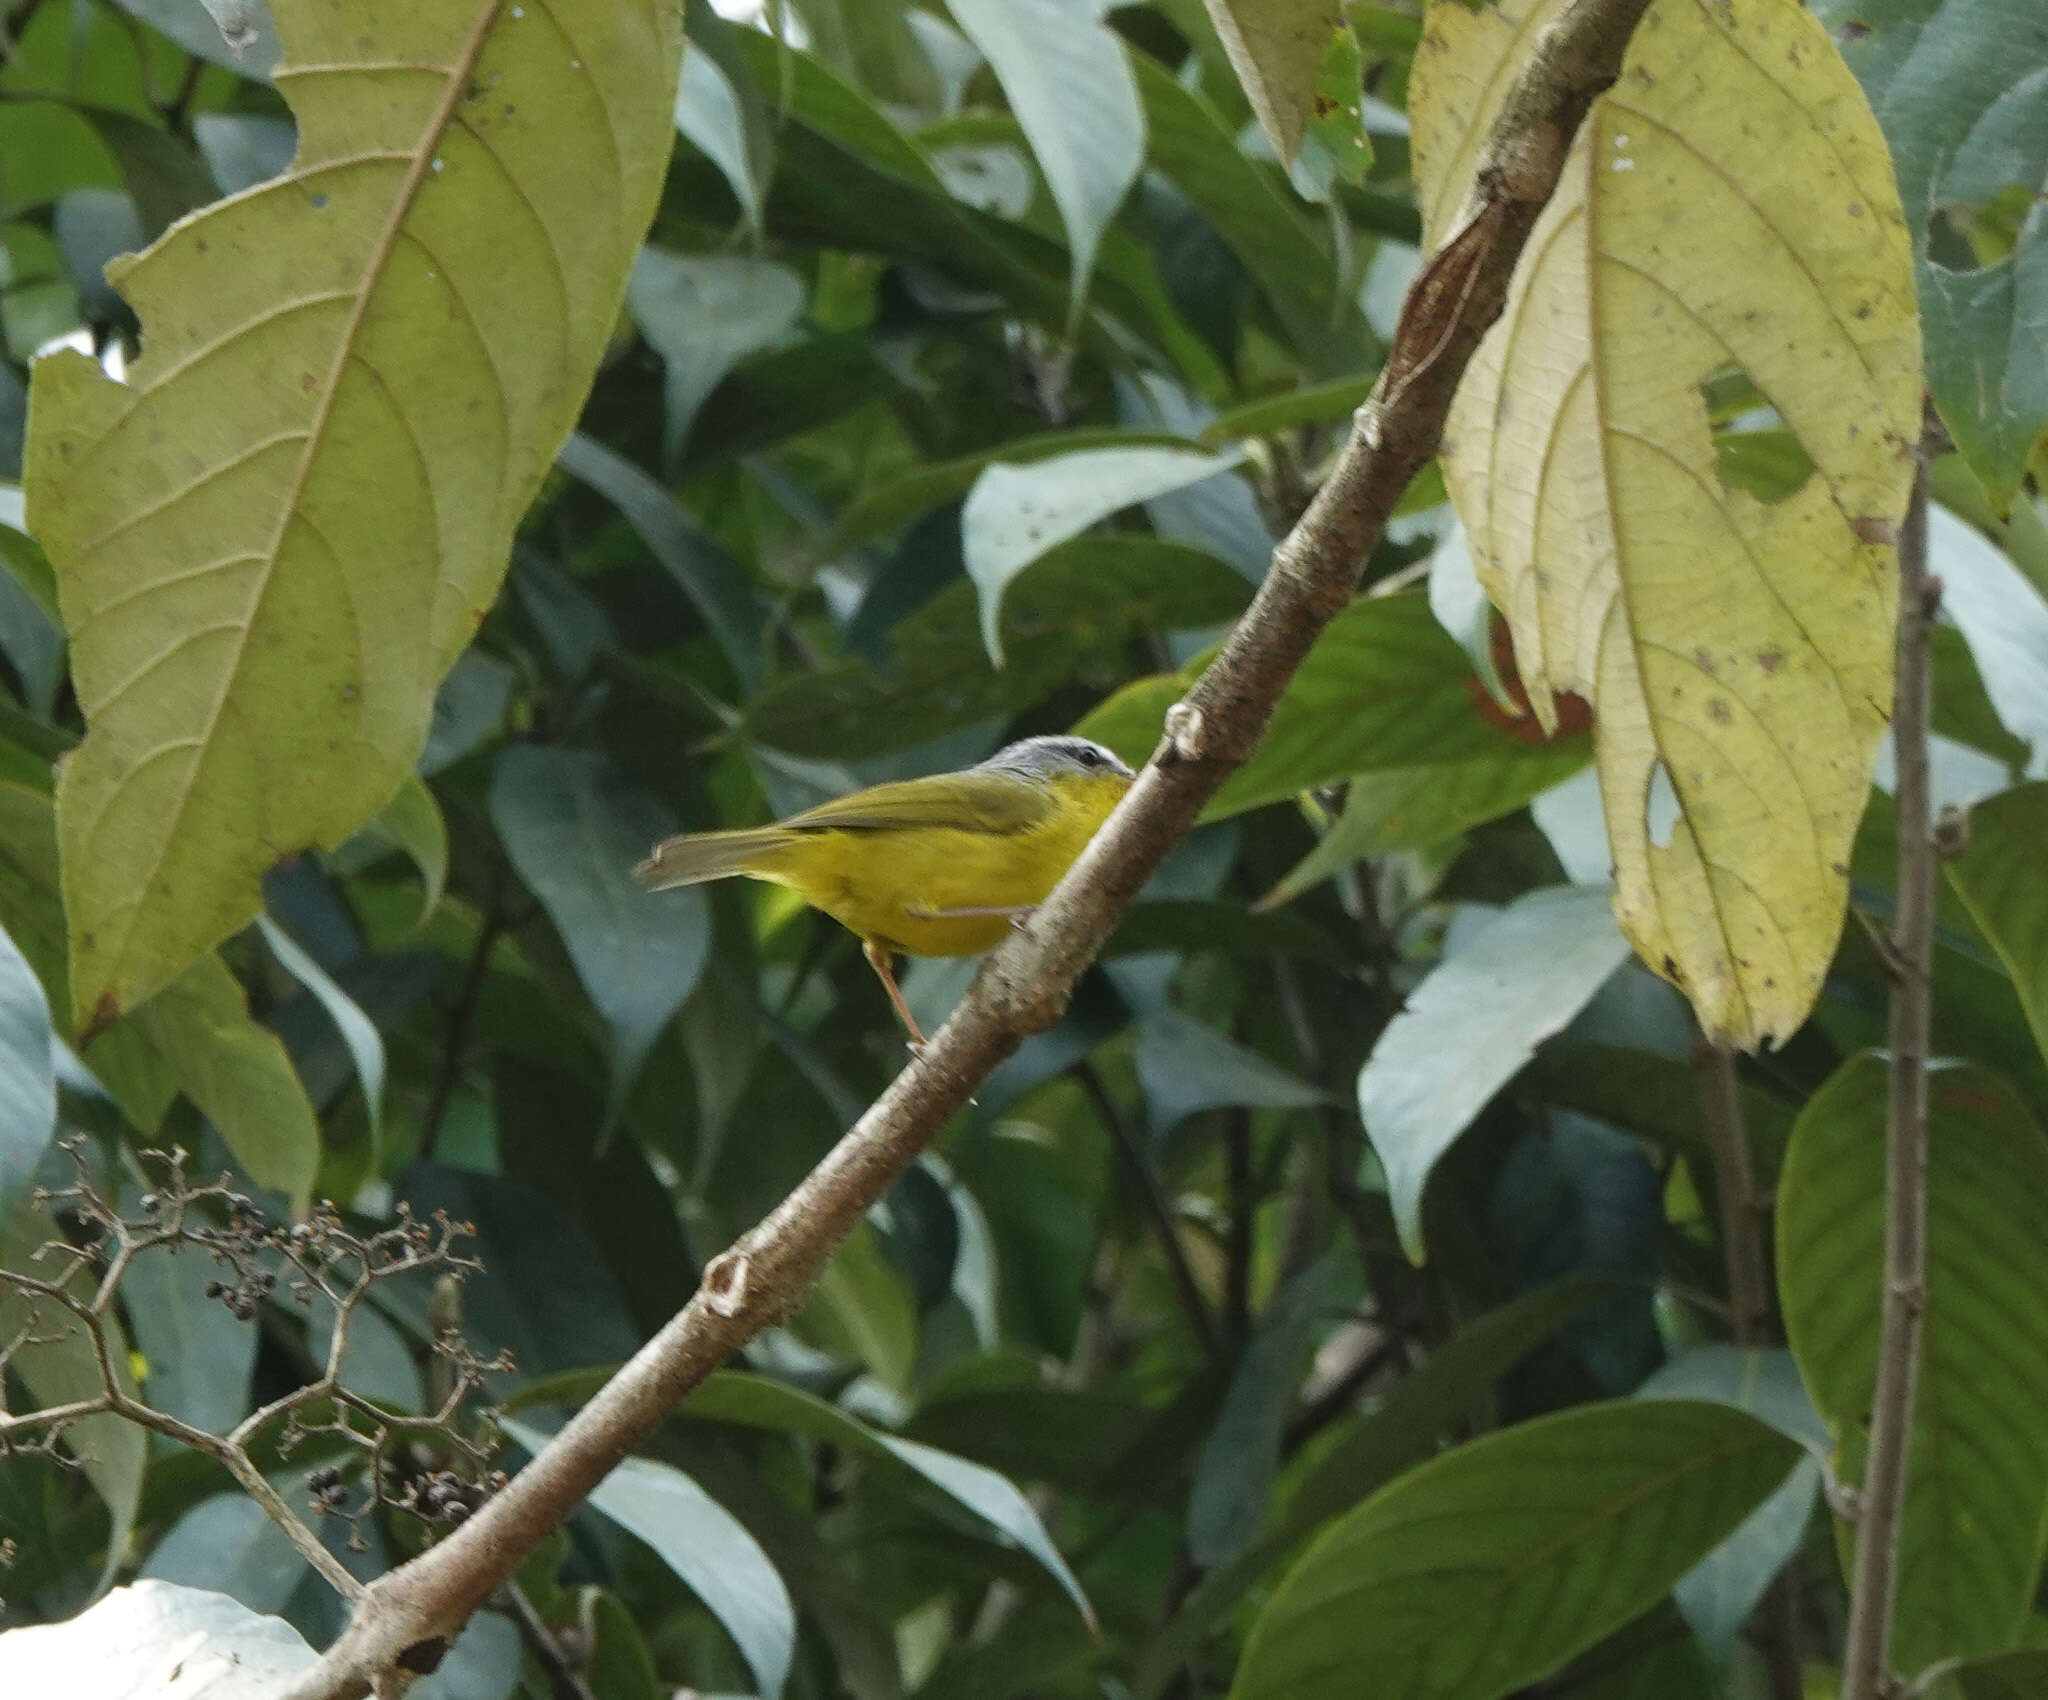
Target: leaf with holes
[1977, 1466]
[276, 536]
[1727, 216]
[1490, 1566]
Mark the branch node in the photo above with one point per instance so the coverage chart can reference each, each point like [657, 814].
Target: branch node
[1187, 731]
[725, 1283]
[1952, 833]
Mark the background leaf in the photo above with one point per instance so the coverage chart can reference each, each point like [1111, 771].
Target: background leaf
[575, 828]
[1515, 981]
[1069, 82]
[1977, 1465]
[1492, 1565]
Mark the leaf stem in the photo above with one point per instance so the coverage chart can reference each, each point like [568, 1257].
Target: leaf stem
[1742, 1242]
[1153, 1202]
[1874, 1587]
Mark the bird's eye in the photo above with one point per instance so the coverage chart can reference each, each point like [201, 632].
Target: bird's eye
[1089, 758]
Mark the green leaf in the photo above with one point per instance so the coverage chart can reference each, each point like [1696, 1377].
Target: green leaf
[194, 1036]
[703, 314]
[711, 117]
[197, 1356]
[1083, 601]
[227, 1543]
[1718, 1594]
[1385, 688]
[2003, 881]
[1406, 1427]
[575, 827]
[59, 1365]
[1491, 1566]
[751, 1401]
[1067, 76]
[28, 1082]
[2002, 617]
[1234, 1476]
[702, 570]
[1958, 88]
[237, 34]
[358, 1031]
[29, 630]
[921, 488]
[1277, 48]
[1244, 202]
[1186, 1067]
[1338, 123]
[707, 1547]
[1971, 1544]
[197, 1032]
[2005, 1676]
[412, 821]
[1416, 808]
[140, 1638]
[1471, 1025]
[1015, 515]
[276, 537]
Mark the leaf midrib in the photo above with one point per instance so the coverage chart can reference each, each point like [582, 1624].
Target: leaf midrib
[456, 79]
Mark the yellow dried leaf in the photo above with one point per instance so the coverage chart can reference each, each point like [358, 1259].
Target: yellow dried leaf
[1729, 206]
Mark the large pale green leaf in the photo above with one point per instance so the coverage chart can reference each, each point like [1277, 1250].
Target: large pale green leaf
[1491, 1566]
[1961, 88]
[275, 537]
[1067, 75]
[707, 1547]
[1276, 48]
[2002, 877]
[1728, 203]
[1977, 1468]
[1472, 1023]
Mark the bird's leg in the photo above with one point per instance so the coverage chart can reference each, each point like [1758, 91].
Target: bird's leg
[877, 954]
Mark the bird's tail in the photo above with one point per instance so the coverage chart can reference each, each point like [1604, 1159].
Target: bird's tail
[691, 858]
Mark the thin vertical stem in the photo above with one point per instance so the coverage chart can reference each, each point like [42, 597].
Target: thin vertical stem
[1153, 1202]
[1881, 1503]
[1742, 1243]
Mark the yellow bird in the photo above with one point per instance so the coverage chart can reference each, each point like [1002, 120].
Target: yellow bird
[941, 866]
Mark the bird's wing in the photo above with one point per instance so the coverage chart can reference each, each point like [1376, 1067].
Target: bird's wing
[995, 804]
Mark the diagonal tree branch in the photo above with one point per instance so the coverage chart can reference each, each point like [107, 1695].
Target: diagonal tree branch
[404, 1619]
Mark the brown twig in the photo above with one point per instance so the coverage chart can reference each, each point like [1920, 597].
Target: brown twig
[406, 1616]
[1880, 1504]
[1152, 1201]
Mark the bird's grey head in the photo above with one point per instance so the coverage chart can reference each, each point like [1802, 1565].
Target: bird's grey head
[1041, 758]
